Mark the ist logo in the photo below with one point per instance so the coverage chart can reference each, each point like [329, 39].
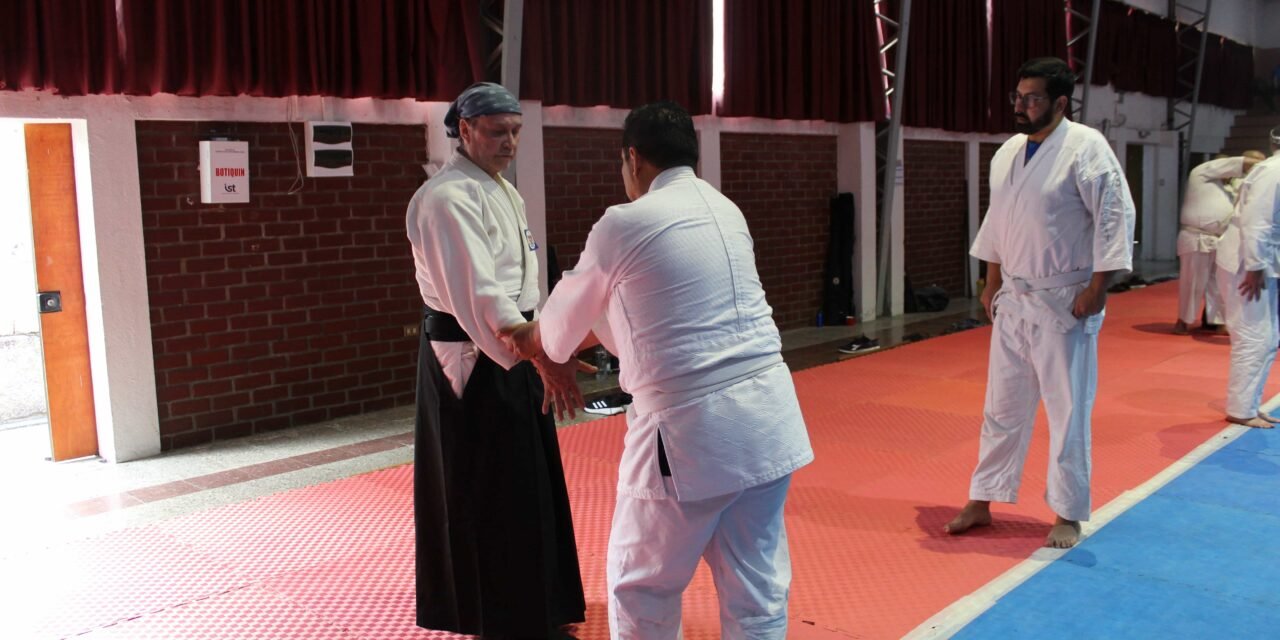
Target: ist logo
[230, 188]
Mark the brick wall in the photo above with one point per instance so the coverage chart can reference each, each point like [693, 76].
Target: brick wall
[784, 185]
[289, 309]
[583, 178]
[936, 207]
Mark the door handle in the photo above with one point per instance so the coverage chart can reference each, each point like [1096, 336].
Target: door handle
[50, 301]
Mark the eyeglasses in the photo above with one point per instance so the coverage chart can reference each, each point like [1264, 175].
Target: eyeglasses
[1027, 100]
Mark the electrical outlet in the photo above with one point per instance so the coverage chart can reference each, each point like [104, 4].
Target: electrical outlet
[412, 330]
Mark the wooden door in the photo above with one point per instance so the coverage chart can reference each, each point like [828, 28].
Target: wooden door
[64, 333]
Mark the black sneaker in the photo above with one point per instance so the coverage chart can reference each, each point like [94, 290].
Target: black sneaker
[860, 344]
[609, 405]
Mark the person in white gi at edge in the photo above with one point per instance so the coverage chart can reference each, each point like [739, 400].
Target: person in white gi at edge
[495, 549]
[1248, 262]
[1060, 226]
[669, 284]
[1207, 207]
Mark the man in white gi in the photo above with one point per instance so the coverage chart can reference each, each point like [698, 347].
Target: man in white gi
[1059, 227]
[1248, 262]
[1206, 211]
[496, 554]
[669, 283]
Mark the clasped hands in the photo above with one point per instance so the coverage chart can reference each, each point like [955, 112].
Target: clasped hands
[560, 380]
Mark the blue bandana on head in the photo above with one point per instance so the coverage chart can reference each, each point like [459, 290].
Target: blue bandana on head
[479, 99]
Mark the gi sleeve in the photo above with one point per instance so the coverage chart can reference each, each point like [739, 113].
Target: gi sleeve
[1218, 169]
[1257, 209]
[456, 248]
[984, 245]
[1105, 193]
[581, 297]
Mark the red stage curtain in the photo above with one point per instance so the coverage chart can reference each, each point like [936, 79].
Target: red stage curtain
[1136, 51]
[618, 53]
[1020, 30]
[1228, 71]
[66, 46]
[344, 48]
[947, 74]
[802, 60]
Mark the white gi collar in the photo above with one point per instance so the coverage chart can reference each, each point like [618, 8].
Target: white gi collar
[671, 175]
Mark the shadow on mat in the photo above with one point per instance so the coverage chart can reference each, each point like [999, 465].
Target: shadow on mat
[1009, 536]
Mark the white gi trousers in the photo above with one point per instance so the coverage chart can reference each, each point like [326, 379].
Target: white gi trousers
[1028, 363]
[1254, 334]
[654, 548]
[1197, 281]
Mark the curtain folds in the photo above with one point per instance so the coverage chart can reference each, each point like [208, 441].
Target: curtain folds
[802, 60]
[1020, 30]
[1136, 51]
[617, 53]
[68, 46]
[341, 48]
[947, 76]
[798, 59]
[1228, 71]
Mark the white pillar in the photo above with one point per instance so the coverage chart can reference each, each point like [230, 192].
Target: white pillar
[897, 236]
[439, 145]
[972, 171]
[532, 182]
[1167, 215]
[709, 150]
[856, 174]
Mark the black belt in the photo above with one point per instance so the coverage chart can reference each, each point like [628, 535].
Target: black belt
[442, 327]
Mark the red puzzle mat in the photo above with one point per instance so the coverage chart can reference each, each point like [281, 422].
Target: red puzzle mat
[895, 434]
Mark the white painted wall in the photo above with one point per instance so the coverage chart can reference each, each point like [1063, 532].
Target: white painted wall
[1268, 36]
[22, 391]
[1144, 115]
[17, 259]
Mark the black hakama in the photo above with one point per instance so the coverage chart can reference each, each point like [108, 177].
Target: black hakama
[495, 548]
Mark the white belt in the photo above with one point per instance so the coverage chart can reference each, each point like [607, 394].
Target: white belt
[1202, 231]
[1027, 285]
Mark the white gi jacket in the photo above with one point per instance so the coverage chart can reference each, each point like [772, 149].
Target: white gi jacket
[1207, 205]
[472, 256]
[1054, 221]
[1252, 242]
[674, 276]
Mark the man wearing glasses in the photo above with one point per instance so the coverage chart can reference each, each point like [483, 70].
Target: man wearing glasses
[1059, 227]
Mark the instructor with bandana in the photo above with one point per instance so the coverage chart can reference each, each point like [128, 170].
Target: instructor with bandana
[495, 548]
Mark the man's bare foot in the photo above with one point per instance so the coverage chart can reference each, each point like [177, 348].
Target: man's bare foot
[1268, 417]
[1255, 422]
[1064, 534]
[1180, 328]
[975, 514]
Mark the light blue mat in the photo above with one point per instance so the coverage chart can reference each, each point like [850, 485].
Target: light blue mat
[1198, 559]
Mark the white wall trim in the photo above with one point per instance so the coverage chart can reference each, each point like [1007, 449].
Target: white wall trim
[972, 178]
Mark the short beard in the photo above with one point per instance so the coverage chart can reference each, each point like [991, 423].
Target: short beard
[1033, 126]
